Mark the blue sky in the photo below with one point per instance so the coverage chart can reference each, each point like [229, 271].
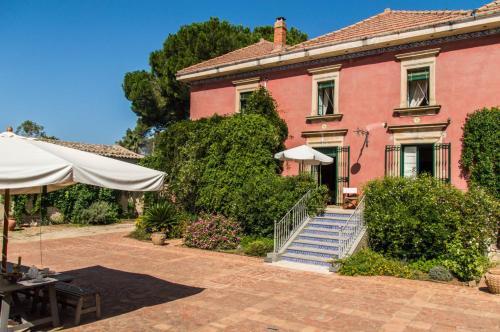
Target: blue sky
[62, 62]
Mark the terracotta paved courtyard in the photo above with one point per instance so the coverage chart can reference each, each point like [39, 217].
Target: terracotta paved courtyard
[172, 288]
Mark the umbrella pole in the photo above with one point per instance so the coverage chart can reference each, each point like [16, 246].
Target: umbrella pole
[6, 206]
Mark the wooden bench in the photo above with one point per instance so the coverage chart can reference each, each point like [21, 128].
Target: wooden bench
[82, 299]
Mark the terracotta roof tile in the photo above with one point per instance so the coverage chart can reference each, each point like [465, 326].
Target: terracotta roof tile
[387, 22]
[261, 48]
[493, 6]
[113, 151]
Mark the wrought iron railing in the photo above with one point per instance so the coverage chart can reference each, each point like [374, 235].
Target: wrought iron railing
[290, 223]
[352, 228]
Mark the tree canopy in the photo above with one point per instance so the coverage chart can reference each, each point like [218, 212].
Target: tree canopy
[225, 165]
[30, 128]
[156, 97]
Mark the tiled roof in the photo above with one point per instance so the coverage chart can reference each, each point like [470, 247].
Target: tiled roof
[113, 151]
[489, 7]
[387, 22]
[259, 49]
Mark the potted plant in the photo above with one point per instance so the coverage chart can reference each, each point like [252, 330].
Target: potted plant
[159, 238]
[159, 219]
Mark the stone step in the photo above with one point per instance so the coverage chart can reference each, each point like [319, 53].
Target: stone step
[306, 259]
[325, 225]
[308, 230]
[312, 251]
[336, 215]
[331, 219]
[328, 221]
[334, 232]
[318, 238]
[315, 245]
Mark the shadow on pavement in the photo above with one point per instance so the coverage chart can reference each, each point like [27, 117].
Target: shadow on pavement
[123, 292]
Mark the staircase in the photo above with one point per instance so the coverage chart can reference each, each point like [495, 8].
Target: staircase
[319, 240]
[313, 242]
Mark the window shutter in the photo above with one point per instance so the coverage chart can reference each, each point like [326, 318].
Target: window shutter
[392, 160]
[418, 75]
[342, 172]
[325, 85]
[442, 165]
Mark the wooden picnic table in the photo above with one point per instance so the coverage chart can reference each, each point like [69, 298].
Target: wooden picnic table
[7, 290]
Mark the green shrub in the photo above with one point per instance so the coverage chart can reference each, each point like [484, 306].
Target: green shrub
[425, 219]
[213, 232]
[70, 201]
[262, 103]
[440, 273]
[425, 265]
[259, 247]
[140, 234]
[480, 160]
[99, 213]
[316, 204]
[226, 166]
[159, 217]
[369, 263]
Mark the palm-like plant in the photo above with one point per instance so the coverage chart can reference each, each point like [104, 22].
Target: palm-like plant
[160, 217]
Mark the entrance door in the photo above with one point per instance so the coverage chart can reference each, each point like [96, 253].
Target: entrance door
[328, 177]
[328, 173]
[336, 175]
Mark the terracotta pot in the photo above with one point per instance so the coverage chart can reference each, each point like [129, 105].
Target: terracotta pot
[12, 224]
[158, 238]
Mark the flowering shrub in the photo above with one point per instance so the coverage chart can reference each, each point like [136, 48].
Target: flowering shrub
[213, 232]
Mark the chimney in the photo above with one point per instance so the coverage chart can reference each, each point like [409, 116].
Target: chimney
[279, 34]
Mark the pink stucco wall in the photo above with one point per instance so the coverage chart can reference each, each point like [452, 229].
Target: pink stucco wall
[467, 78]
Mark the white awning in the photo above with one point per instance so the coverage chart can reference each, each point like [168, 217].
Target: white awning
[27, 164]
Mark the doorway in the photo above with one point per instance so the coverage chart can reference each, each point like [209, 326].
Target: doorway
[328, 173]
[417, 159]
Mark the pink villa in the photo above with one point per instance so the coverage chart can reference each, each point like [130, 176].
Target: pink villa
[385, 96]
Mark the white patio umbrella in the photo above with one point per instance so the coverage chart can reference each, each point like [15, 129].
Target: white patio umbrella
[305, 155]
[27, 165]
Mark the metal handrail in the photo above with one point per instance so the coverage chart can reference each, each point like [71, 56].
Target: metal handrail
[290, 223]
[352, 228]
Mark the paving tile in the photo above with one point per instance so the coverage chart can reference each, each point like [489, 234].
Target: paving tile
[173, 288]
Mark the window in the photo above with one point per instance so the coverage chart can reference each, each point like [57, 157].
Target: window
[325, 91]
[243, 99]
[417, 159]
[325, 97]
[418, 87]
[418, 83]
[413, 160]
[243, 90]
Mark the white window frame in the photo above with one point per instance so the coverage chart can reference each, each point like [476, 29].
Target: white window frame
[416, 60]
[325, 74]
[246, 85]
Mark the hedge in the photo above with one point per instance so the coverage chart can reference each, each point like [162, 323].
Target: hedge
[423, 219]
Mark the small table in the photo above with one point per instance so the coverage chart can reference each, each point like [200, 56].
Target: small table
[7, 289]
